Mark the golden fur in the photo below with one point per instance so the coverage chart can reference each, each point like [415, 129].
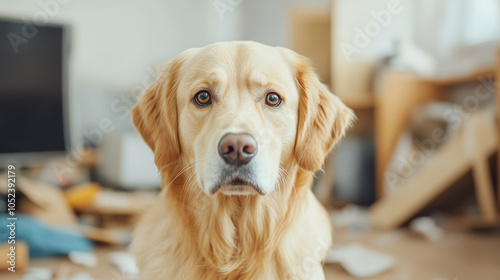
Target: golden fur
[190, 234]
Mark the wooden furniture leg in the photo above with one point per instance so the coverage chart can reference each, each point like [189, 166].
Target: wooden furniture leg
[497, 82]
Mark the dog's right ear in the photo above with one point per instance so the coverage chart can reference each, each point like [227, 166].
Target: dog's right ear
[322, 117]
[155, 116]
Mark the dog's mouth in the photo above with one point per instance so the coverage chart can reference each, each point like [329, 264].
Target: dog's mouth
[237, 186]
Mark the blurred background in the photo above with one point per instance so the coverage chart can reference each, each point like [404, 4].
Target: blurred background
[412, 190]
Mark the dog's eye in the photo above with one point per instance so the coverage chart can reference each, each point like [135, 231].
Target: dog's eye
[202, 99]
[273, 99]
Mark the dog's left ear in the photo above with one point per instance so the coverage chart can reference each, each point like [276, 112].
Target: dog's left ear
[322, 118]
[155, 116]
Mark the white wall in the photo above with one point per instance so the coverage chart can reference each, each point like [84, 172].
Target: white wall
[114, 41]
[267, 21]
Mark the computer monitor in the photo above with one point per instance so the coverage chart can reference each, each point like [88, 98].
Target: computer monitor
[34, 120]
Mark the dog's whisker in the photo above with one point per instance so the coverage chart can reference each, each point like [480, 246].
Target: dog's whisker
[184, 169]
[190, 182]
[281, 179]
[190, 186]
[283, 175]
[284, 172]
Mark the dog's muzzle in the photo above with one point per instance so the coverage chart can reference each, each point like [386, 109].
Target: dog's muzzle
[237, 150]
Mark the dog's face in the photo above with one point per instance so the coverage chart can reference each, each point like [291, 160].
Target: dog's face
[237, 108]
[236, 113]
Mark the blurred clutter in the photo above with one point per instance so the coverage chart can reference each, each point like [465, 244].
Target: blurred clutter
[68, 223]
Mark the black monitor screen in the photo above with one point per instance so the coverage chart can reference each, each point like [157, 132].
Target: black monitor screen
[31, 88]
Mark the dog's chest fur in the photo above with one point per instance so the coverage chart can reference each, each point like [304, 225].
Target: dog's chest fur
[235, 238]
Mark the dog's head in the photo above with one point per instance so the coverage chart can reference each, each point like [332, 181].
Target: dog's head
[236, 113]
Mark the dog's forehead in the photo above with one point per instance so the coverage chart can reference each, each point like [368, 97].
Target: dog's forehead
[253, 60]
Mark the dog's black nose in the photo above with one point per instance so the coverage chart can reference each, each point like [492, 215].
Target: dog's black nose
[237, 149]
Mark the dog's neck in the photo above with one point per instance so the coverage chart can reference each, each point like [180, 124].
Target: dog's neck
[229, 231]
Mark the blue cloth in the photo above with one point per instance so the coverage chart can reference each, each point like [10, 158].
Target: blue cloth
[43, 240]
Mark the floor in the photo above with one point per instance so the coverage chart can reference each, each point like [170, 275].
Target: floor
[457, 256]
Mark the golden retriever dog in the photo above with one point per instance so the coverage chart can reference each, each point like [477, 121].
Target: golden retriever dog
[238, 130]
